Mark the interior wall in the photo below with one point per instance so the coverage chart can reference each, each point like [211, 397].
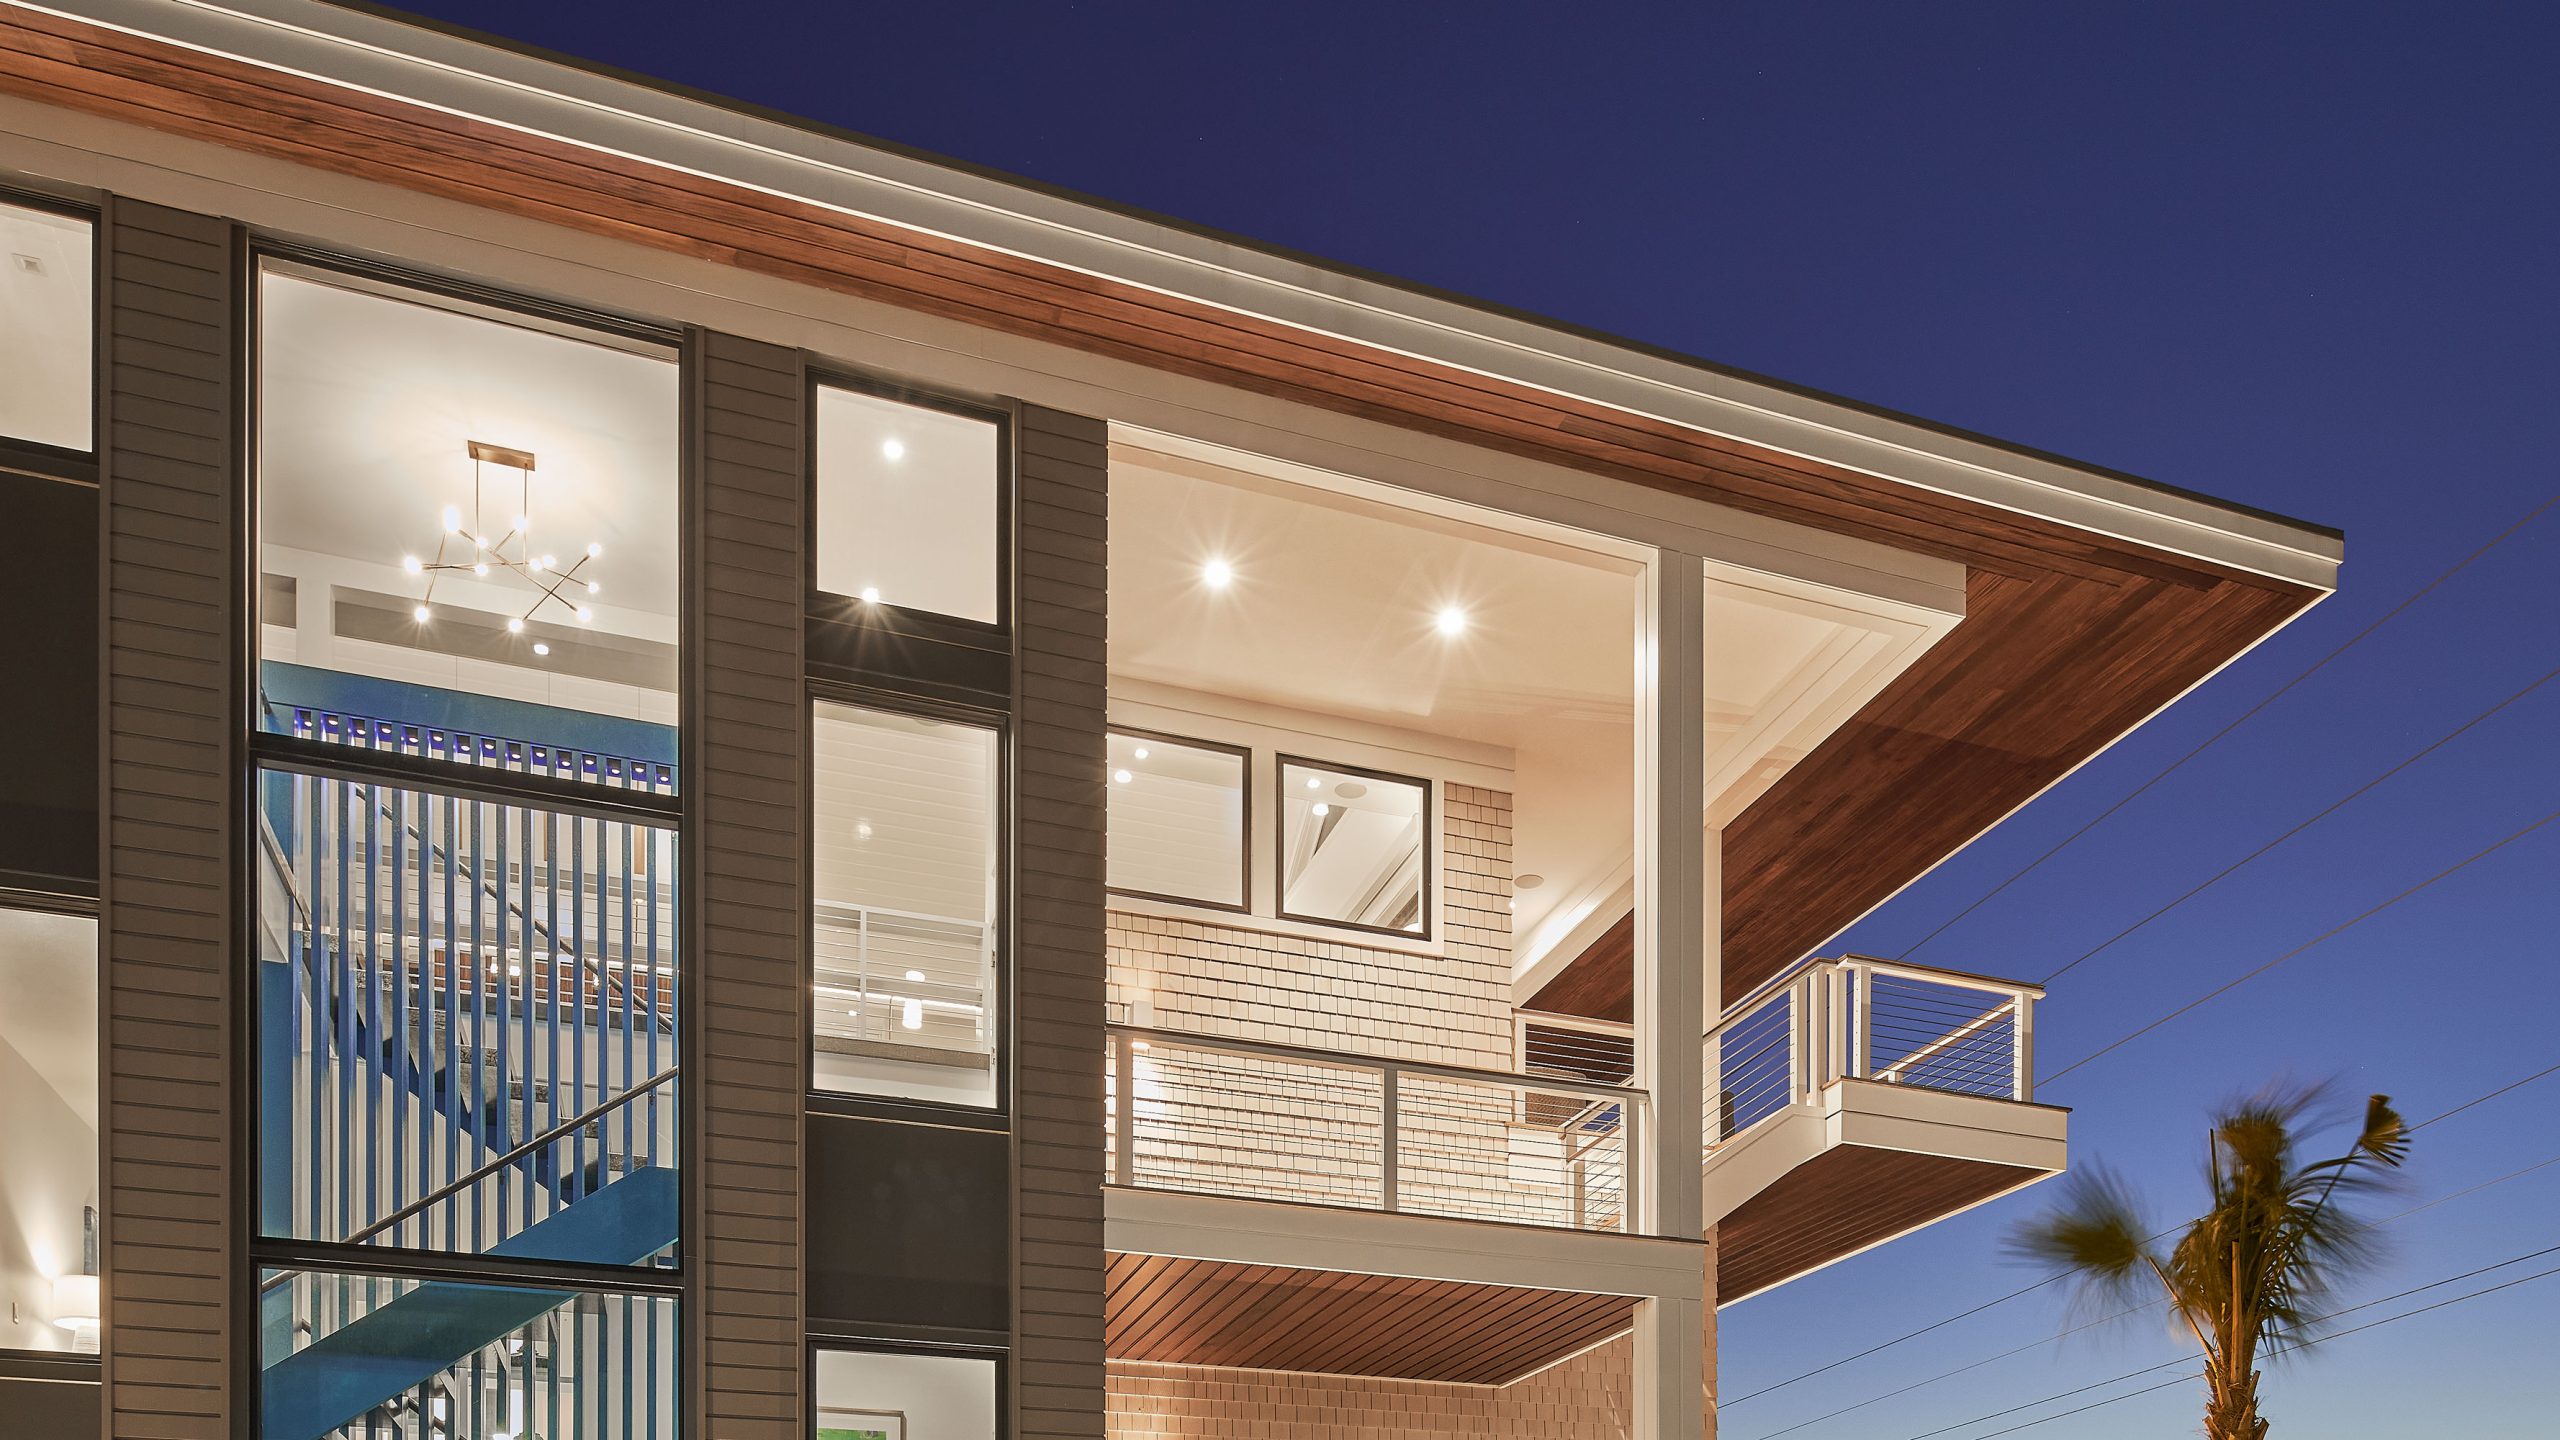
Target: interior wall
[942, 1397]
[50, 1178]
[1583, 1398]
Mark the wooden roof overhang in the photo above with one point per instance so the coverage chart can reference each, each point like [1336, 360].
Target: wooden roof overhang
[2071, 636]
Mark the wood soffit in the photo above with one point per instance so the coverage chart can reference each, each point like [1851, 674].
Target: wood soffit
[1261, 1317]
[2070, 638]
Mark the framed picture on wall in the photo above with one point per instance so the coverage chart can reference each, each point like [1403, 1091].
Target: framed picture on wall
[837, 1423]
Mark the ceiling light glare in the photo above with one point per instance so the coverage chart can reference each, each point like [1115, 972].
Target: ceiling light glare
[524, 524]
[421, 614]
[481, 568]
[585, 614]
[595, 587]
[412, 564]
[595, 549]
[870, 594]
[515, 625]
[1450, 621]
[893, 449]
[453, 520]
[1217, 574]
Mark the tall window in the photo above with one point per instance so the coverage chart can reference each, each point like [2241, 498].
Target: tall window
[49, 1164]
[908, 504]
[905, 882]
[46, 318]
[466, 969]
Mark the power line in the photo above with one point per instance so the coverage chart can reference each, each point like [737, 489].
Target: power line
[2279, 693]
[2103, 1320]
[2328, 934]
[2026, 1290]
[2189, 1360]
[2332, 808]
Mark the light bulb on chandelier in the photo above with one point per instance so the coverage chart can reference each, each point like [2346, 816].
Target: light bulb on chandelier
[510, 552]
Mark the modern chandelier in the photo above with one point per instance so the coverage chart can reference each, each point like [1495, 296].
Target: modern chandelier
[473, 548]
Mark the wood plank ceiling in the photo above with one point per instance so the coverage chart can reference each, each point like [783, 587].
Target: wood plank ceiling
[1262, 1317]
[2071, 637]
[1841, 1201]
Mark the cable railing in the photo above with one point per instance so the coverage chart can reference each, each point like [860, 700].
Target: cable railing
[1210, 1115]
[1859, 1018]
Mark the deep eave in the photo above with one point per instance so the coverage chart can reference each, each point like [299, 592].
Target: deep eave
[2093, 598]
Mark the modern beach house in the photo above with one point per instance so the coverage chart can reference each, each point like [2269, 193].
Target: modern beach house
[673, 774]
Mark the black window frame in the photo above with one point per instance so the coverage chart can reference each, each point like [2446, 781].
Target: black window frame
[1244, 785]
[1281, 760]
[35, 457]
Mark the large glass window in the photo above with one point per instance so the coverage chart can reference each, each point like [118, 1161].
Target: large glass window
[1177, 823]
[467, 531]
[908, 505]
[871, 1395]
[370, 1357]
[467, 1018]
[46, 327]
[905, 884]
[1354, 847]
[49, 1158]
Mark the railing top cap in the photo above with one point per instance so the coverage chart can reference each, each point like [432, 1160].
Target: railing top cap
[1940, 974]
[1350, 1061]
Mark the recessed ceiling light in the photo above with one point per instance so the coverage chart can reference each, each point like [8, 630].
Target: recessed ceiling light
[1450, 621]
[541, 649]
[1140, 752]
[915, 974]
[515, 625]
[1314, 783]
[421, 614]
[863, 830]
[1323, 809]
[1119, 777]
[1217, 574]
[893, 449]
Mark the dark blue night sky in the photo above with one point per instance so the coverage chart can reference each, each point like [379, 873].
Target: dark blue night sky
[2301, 256]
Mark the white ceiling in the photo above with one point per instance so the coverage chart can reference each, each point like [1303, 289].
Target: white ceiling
[45, 314]
[366, 404]
[49, 973]
[1331, 610]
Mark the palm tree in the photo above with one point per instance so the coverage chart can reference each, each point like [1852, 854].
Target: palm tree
[2276, 1238]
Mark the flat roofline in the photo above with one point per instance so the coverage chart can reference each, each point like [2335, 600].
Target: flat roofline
[1349, 271]
[387, 52]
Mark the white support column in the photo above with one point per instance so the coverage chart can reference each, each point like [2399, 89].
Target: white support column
[1675, 969]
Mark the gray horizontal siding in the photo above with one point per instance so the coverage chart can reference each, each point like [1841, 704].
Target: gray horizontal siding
[1057, 1002]
[751, 995]
[170, 572]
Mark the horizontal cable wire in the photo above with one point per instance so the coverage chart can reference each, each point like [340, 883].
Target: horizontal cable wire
[2325, 935]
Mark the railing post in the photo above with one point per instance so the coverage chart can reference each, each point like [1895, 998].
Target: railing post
[1835, 1023]
[1387, 1139]
[1124, 1110]
[1800, 1039]
[1862, 1033]
[2022, 1046]
[1631, 1162]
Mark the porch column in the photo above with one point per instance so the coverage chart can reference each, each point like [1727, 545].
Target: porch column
[1674, 965]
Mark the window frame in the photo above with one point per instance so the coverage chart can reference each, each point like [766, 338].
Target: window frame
[1281, 760]
[35, 457]
[884, 616]
[997, 1112]
[1244, 787]
[998, 1355]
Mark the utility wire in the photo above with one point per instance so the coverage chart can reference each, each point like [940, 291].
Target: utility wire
[2026, 1290]
[2245, 716]
[2189, 1360]
[2332, 808]
[2133, 1310]
[2328, 934]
